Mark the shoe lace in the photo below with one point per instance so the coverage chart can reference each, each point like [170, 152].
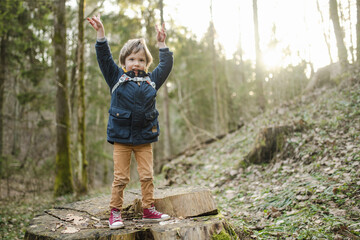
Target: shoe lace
[154, 211]
[116, 216]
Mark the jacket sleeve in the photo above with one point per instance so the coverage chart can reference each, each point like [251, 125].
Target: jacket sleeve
[162, 71]
[106, 63]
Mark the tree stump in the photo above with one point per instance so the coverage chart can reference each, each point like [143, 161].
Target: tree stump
[270, 141]
[325, 76]
[193, 216]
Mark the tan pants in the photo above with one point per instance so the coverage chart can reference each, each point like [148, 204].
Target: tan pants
[144, 159]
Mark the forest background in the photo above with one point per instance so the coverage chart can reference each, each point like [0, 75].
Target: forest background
[54, 101]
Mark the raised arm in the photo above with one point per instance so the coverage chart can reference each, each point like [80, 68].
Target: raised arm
[161, 36]
[107, 65]
[162, 71]
[96, 23]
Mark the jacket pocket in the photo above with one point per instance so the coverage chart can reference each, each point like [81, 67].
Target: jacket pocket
[119, 125]
[151, 128]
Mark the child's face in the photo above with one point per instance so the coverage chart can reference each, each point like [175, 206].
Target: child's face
[135, 62]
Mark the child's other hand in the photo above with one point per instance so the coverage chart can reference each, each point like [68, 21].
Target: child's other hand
[97, 25]
[161, 35]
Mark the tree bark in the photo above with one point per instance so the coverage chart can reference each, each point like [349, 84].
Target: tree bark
[2, 98]
[259, 64]
[63, 175]
[351, 47]
[324, 33]
[82, 177]
[167, 135]
[214, 82]
[339, 34]
[358, 32]
[270, 141]
[241, 57]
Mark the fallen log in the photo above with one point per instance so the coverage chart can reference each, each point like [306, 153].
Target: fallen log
[193, 216]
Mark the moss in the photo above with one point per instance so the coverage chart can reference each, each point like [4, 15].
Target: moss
[165, 168]
[230, 230]
[221, 236]
[63, 179]
[227, 233]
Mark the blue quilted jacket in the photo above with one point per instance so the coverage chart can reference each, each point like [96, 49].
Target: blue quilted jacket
[133, 118]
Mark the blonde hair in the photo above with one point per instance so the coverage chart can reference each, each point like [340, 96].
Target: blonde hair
[134, 46]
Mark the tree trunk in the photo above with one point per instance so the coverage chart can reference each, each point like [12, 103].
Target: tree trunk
[167, 135]
[2, 98]
[324, 33]
[270, 141]
[351, 47]
[214, 82]
[259, 64]
[241, 68]
[358, 32]
[63, 178]
[193, 211]
[82, 177]
[339, 34]
[73, 82]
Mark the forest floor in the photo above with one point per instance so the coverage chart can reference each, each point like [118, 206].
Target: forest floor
[17, 212]
[310, 190]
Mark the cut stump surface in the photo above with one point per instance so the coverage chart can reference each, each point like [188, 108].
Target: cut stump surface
[193, 216]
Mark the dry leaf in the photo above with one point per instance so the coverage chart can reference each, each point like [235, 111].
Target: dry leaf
[96, 219]
[168, 222]
[70, 230]
[76, 219]
[338, 212]
[98, 225]
[58, 225]
[302, 198]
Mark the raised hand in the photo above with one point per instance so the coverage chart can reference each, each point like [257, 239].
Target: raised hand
[96, 23]
[161, 35]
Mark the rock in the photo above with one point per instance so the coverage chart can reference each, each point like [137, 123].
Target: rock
[193, 211]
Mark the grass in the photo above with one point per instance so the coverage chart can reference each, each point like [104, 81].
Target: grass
[16, 213]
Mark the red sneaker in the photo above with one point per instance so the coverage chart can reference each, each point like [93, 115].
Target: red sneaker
[151, 215]
[115, 221]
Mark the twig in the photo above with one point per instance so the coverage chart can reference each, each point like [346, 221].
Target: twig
[77, 210]
[55, 216]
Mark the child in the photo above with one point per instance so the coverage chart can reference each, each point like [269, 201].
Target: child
[133, 123]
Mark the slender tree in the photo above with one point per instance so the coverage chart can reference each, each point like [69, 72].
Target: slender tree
[167, 135]
[11, 28]
[214, 82]
[259, 63]
[12, 8]
[63, 178]
[81, 173]
[324, 33]
[358, 31]
[339, 34]
[351, 47]
[3, 43]
[239, 53]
